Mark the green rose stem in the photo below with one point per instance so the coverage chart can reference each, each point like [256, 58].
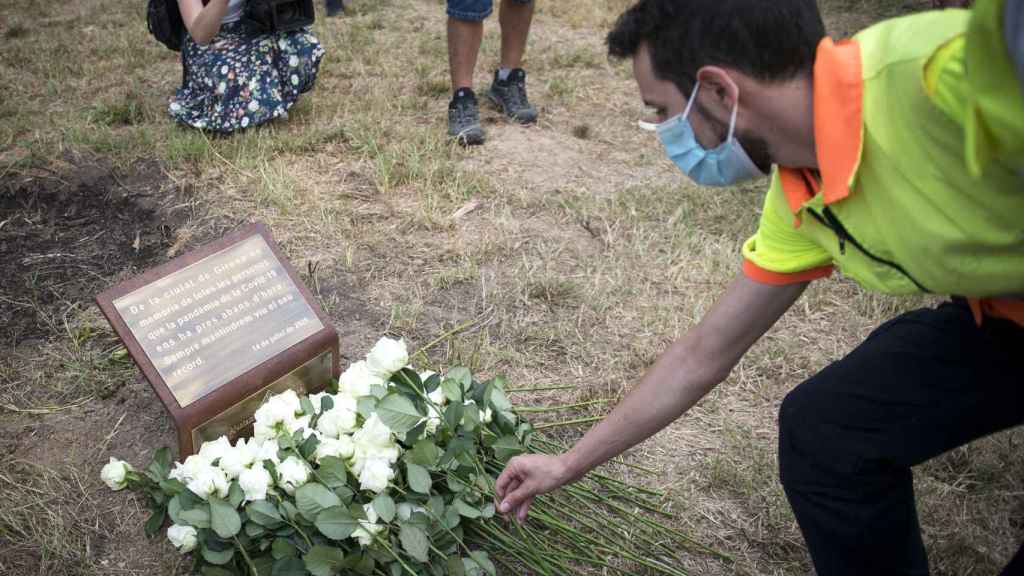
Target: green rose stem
[422, 349]
[248, 560]
[568, 422]
[543, 389]
[394, 554]
[284, 517]
[552, 448]
[538, 409]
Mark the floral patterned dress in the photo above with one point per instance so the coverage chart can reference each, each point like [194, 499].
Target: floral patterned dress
[239, 81]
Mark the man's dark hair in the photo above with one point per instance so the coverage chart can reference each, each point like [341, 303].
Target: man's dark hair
[766, 39]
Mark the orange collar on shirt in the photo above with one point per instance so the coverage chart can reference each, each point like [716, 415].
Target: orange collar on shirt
[838, 125]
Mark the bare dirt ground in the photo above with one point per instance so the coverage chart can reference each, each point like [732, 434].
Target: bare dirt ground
[578, 251]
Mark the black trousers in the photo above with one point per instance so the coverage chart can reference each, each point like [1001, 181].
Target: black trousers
[921, 384]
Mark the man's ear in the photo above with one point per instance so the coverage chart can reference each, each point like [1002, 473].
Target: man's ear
[719, 91]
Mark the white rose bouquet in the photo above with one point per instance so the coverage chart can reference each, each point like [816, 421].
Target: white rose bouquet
[390, 473]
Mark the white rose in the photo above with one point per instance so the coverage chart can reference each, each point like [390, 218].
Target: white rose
[438, 397]
[433, 422]
[183, 537]
[486, 415]
[387, 357]
[187, 471]
[276, 415]
[300, 424]
[337, 421]
[292, 473]
[374, 441]
[367, 528]
[341, 447]
[357, 380]
[317, 401]
[216, 449]
[114, 474]
[209, 481]
[254, 482]
[266, 450]
[236, 460]
[375, 476]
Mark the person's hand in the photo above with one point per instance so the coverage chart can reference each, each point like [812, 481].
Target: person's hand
[523, 479]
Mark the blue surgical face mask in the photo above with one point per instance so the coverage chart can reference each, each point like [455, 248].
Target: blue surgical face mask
[727, 164]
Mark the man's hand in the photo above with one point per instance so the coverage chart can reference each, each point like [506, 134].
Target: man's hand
[524, 478]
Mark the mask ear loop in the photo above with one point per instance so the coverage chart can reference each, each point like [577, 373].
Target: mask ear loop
[732, 120]
[693, 96]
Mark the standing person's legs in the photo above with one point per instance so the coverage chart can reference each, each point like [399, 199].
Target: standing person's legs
[465, 33]
[508, 90]
[921, 384]
[515, 18]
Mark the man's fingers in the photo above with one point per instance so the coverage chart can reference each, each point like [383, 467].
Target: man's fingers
[507, 476]
[524, 509]
[501, 497]
[516, 497]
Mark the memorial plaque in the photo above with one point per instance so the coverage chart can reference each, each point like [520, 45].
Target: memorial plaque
[216, 330]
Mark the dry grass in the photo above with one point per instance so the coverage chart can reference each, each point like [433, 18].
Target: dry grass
[578, 250]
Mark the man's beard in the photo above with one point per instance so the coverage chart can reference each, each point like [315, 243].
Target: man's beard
[757, 149]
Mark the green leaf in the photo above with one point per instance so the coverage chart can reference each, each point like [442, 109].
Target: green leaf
[461, 375]
[311, 498]
[156, 520]
[215, 571]
[452, 518]
[264, 565]
[418, 478]
[479, 563]
[308, 447]
[414, 542]
[452, 391]
[345, 493]
[471, 420]
[264, 513]
[424, 453]
[218, 557]
[385, 507]
[235, 495]
[497, 399]
[289, 567]
[431, 384]
[399, 413]
[283, 548]
[407, 379]
[254, 530]
[324, 560]
[172, 487]
[326, 403]
[488, 511]
[307, 405]
[224, 519]
[466, 510]
[332, 472]
[455, 566]
[378, 392]
[198, 517]
[366, 406]
[173, 509]
[506, 447]
[336, 523]
[453, 415]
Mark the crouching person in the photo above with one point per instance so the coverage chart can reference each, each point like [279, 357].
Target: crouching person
[234, 79]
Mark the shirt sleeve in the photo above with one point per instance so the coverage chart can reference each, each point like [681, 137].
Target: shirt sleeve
[778, 253]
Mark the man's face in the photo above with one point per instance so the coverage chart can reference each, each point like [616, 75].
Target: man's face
[709, 116]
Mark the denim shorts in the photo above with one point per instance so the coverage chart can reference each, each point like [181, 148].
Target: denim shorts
[474, 10]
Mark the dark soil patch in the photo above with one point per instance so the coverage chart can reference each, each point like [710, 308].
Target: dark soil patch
[64, 234]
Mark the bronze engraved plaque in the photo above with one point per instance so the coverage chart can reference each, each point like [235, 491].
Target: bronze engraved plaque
[214, 320]
[218, 328]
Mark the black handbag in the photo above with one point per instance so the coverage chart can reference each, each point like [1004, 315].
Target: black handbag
[267, 16]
